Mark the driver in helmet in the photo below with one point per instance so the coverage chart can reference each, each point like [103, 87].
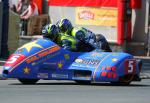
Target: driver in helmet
[50, 31]
[84, 35]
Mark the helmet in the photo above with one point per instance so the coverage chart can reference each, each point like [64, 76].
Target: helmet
[78, 33]
[64, 26]
[50, 31]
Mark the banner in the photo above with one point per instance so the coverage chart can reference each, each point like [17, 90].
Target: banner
[96, 16]
[94, 3]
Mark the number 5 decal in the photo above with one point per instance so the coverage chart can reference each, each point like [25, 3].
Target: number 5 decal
[130, 66]
[13, 59]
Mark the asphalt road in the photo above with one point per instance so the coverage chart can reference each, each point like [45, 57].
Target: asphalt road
[11, 91]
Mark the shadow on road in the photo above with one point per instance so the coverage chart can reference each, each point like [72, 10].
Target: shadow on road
[92, 84]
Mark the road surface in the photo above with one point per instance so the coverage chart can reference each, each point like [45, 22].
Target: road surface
[11, 91]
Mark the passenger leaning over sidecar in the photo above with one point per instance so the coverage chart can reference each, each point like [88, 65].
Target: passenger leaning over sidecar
[51, 32]
[84, 36]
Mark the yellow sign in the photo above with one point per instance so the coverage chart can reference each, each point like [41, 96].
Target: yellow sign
[96, 16]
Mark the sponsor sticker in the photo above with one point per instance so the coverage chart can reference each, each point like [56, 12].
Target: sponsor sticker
[37, 60]
[96, 54]
[64, 76]
[87, 61]
[86, 15]
[42, 75]
[46, 54]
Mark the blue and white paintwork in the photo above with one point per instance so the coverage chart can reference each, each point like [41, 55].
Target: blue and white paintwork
[43, 59]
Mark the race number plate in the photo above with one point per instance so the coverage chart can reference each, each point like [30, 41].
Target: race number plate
[130, 66]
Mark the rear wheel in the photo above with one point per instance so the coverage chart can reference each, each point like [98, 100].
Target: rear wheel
[28, 81]
[83, 82]
[125, 80]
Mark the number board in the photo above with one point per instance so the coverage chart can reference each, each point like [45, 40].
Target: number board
[130, 66]
[14, 59]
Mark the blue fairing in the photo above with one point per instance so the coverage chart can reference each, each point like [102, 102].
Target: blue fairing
[43, 59]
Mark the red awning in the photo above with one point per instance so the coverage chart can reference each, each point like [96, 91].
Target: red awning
[136, 4]
[94, 3]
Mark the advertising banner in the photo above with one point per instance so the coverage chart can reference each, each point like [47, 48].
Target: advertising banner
[96, 16]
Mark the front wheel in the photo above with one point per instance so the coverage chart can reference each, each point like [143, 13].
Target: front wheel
[28, 81]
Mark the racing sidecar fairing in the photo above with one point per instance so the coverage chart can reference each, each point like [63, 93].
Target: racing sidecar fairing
[43, 59]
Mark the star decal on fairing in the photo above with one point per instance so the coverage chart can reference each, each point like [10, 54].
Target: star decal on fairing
[67, 56]
[60, 65]
[30, 45]
[26, 70]
[114, 59]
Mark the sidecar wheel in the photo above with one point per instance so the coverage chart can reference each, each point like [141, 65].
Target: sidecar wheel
[124, 81]
[28, 81]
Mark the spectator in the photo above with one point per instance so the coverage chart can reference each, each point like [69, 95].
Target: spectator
[26, 9]
[32, 10]
[21, 6]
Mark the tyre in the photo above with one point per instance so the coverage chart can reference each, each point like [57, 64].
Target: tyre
[83, 82]
[28, 81]
[124, 81]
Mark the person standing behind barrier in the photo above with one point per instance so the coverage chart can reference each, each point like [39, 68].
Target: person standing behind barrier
[26, 9]
[32, 10]
[21, 6]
